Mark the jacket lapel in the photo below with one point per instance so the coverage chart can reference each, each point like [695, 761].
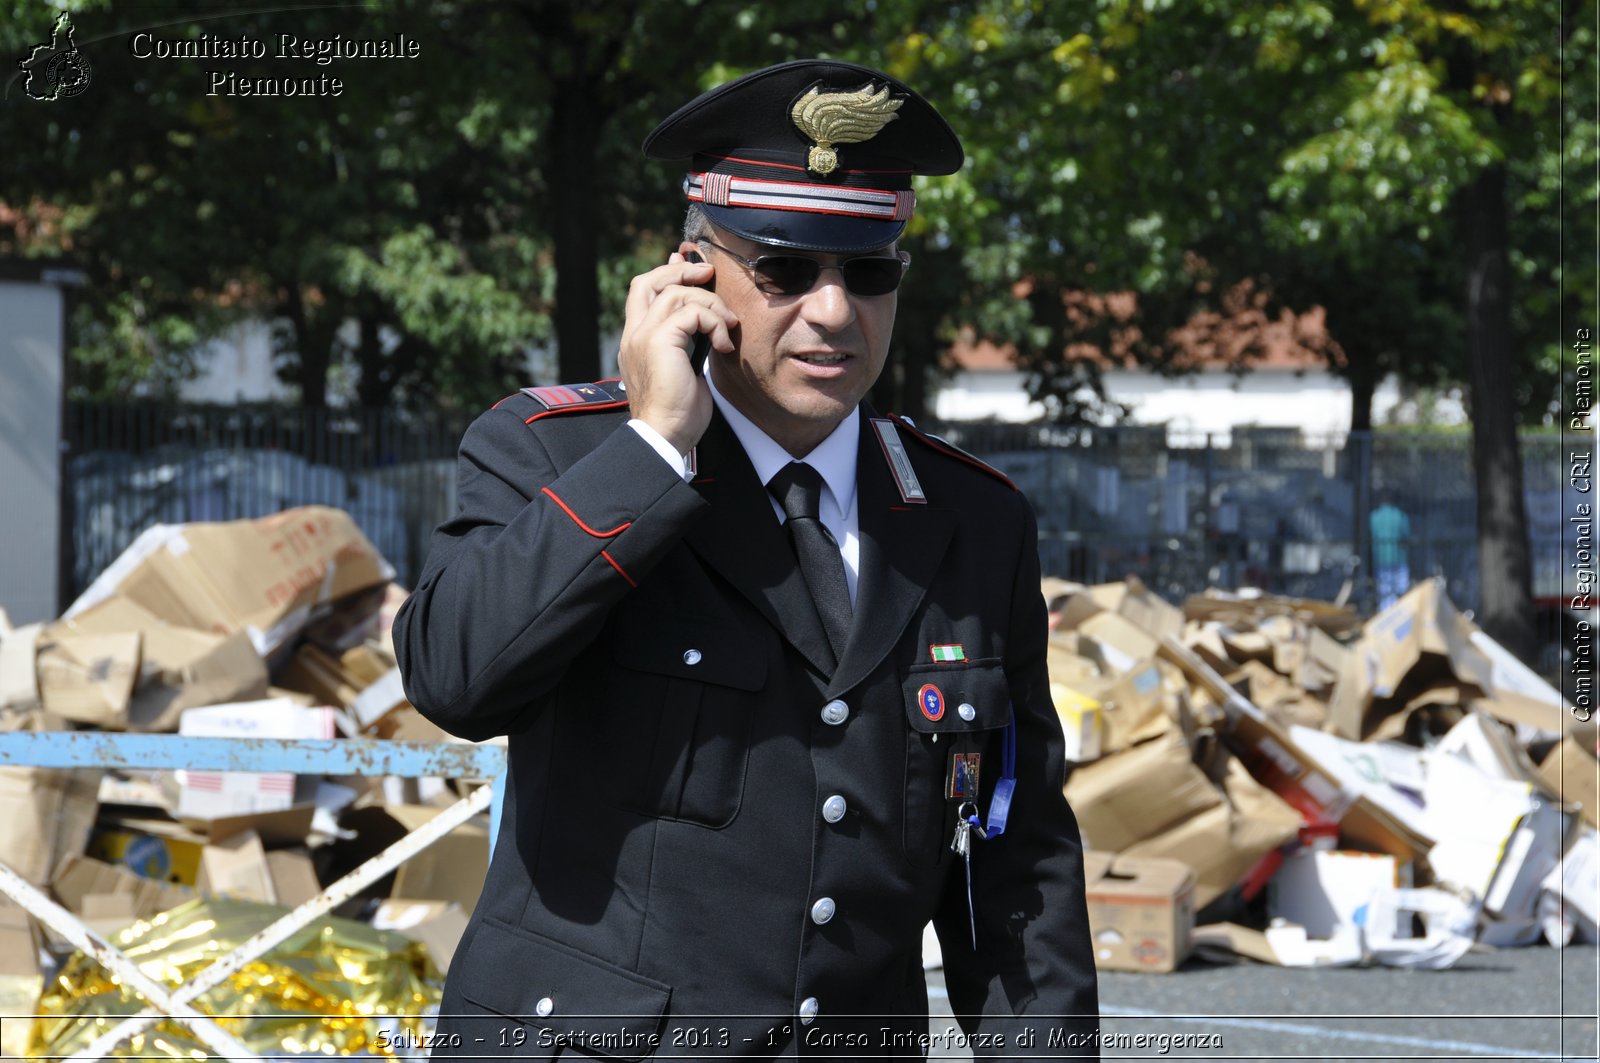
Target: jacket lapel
[741, 539]
[901, 548]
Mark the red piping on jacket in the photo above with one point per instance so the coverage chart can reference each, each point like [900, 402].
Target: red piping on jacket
[620, 571]
[618, 530]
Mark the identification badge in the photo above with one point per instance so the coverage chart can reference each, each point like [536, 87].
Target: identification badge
[962, 782]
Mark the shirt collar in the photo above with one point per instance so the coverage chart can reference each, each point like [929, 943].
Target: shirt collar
[834, 458]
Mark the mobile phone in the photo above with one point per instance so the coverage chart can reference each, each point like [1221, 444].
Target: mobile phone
[702, 340]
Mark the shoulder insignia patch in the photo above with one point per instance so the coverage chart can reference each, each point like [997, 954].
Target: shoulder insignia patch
[566, 398]
[950, 450]
[557, 396]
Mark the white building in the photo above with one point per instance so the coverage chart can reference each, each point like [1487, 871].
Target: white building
[1289, 387]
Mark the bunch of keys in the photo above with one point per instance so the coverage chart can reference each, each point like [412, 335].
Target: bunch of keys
[966, 824]
[961, 845]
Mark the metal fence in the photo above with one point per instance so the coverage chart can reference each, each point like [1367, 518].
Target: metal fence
[1265, 507]
[133, 465]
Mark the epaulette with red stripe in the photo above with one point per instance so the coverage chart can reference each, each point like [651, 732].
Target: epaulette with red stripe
[569, 398]
[950, 450]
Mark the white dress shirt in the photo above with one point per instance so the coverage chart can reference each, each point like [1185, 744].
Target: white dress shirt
[834, 459]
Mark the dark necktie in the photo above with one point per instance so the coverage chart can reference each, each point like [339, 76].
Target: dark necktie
[798, 488]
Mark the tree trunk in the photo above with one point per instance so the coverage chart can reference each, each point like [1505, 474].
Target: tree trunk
[1504, 569]
[374, 386]
[311, 351]
[1363, 385]
[569, 170]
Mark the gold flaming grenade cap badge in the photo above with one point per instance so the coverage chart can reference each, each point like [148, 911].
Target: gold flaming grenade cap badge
[830, 118]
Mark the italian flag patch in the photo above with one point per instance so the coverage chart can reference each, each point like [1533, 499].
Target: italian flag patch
[944, 654]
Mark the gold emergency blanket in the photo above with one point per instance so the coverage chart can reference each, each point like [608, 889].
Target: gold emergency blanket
[337, 987]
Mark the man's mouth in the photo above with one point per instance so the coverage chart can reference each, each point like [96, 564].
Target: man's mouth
[813, 358]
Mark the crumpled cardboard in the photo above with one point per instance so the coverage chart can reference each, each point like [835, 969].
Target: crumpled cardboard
[1135, 602]
[1388, 774]
[1252, 606]
[1280, 698]
[1488, 745]
[88, 679]
[236, 869]
[1124, 799]
[1124, 709]
[264, 577]
[451, 869]
[79, 879]
[1521, 698]
[360, 679]
[182, 668]
[1571, 773]
[1114, 643]
[1417, 642]
[1141, 912]
[1224, 842]
[1276, 761]
[1205, 642]
[49, 813]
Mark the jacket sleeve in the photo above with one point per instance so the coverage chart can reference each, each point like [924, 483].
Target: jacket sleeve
[521, 580]
[1032, 977]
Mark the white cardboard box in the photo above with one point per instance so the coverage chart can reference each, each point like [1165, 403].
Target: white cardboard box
[1496, 838]
[209, 794]
[1325, 890]
[1576, 878]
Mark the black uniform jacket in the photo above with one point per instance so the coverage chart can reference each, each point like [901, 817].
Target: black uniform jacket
[670, 875]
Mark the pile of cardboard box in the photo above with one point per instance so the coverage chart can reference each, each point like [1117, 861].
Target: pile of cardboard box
[267, 628]
[1253, 776]
[1309, 789]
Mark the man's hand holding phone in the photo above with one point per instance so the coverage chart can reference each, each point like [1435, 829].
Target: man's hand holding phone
[668, 309]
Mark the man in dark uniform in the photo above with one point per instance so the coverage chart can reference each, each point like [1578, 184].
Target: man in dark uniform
[772, 667]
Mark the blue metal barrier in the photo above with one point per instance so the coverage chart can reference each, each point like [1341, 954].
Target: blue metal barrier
[86, 749]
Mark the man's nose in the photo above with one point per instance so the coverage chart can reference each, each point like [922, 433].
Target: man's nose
[828, 304]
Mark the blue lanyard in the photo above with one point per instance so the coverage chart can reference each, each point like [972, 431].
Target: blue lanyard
[1006, 785]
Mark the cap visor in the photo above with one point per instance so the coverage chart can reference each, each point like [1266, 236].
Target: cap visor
[806, 231]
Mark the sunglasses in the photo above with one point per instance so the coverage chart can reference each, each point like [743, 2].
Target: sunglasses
[797, 274]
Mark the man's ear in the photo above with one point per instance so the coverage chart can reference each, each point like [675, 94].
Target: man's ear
[689, 245]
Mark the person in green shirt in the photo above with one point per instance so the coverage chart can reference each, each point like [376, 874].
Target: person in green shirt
[1391, 529]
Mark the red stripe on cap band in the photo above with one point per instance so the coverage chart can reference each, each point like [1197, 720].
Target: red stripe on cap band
[727, 191]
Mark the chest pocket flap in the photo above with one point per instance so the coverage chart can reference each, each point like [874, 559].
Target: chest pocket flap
[950, 699]
[697, 650]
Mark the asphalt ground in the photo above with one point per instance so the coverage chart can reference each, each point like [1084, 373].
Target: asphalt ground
[1514, 1004]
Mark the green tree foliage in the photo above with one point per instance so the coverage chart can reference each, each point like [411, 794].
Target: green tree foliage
[1395, 163]
[416, 234]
